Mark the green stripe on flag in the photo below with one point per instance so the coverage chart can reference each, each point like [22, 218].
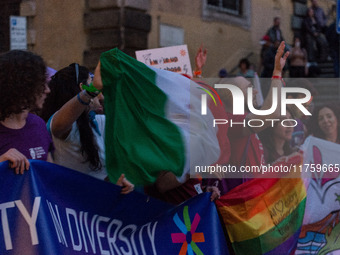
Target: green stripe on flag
[275, 236]
[139, 140]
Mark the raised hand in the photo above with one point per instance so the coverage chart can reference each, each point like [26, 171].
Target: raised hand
[200, 58]
[97, 79]
[280, 59]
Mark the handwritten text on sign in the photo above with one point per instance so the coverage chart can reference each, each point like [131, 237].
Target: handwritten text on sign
[174, 59]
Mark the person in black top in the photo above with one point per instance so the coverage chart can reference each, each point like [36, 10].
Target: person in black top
[313, 35]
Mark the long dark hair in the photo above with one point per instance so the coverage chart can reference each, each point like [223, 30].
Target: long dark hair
[313, 124]
[64, 85]
[267, 139]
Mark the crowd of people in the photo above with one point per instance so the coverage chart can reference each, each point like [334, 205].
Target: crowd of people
[315, 42]
[59, 121]
[75, 122]
[70, 139]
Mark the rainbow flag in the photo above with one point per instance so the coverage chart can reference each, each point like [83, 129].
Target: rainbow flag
[264, 216]
[153, 121]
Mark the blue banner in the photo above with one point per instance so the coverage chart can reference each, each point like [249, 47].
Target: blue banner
[338, 17]
[54, 210]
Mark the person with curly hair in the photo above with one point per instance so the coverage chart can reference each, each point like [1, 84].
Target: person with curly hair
[324, 123]
[23, 87]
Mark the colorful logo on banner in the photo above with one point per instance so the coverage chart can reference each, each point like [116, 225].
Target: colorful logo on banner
[188, 236]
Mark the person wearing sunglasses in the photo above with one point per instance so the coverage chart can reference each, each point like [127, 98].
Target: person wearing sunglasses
[23, 87]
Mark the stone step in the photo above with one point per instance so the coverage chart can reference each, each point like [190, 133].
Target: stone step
[326, 69]
[326, 101]
[326, 75]
[326, 90]
[320, 99]
[325, 64]
[323, 97]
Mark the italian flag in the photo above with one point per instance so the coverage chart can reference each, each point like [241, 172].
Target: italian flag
[153, 121]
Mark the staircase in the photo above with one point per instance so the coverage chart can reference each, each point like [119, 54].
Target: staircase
[326, 69]
[328, 89]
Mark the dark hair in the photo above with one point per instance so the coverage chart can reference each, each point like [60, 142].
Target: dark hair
[223, 73]
[22, 80]
[266, 137]
[64, 87]
[302, 83]
[244, 61]
[309, 9]
[313, 124]
[297, 36]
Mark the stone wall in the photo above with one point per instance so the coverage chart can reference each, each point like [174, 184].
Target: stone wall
[109, 24]
[66, 31]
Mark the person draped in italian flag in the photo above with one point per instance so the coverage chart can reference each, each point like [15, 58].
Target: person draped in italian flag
[153, 121]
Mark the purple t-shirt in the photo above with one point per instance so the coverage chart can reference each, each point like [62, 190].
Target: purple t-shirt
[32, 140]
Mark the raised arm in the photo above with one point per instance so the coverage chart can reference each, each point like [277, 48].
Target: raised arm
[280, 61]
[200, 59]
[62, 121]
